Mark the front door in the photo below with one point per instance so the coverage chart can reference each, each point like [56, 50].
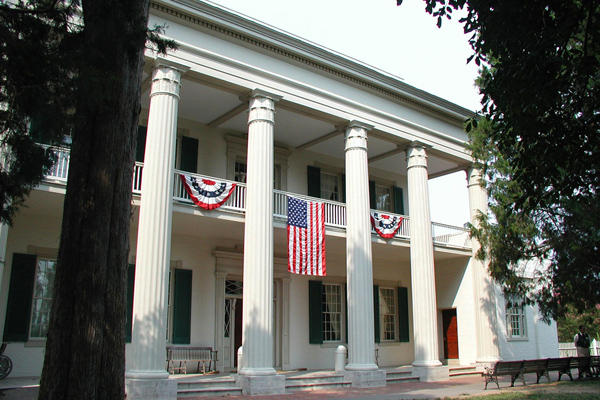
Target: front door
[450, 333]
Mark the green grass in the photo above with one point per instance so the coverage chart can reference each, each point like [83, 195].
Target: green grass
[577, 390]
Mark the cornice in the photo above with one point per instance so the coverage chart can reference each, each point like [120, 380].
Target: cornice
[239, 28]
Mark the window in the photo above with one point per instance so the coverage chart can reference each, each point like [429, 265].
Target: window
[332, 312]
[330, 186]
[240, 172]
[515, 321]
[42, 298]
[388, 314]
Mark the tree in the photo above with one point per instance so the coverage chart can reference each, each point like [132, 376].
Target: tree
[71, 66]
[537, 139]
[36, 90]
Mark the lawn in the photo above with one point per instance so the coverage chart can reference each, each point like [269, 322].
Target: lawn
[576, 390]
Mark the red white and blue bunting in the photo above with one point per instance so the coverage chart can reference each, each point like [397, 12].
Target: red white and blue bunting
[385, 225]
[206, 193]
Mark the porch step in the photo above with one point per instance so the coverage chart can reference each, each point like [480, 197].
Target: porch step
[464, 370]
[210, 387]
[315, 382]
[400, 376]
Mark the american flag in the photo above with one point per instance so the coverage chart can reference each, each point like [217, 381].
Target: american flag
[306, 237]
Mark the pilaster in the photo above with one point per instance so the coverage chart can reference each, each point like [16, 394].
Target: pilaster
[257, 375]
[146, 368]
[422, 265]
[361, 368]
[485, 298]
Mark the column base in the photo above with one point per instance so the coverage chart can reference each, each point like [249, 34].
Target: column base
[363, 379]
[432, 374]
[151, 389]
[261, 385]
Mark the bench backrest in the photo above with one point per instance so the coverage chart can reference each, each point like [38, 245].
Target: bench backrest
[535, 365]
[189, 353]
[559, 364]
[508, 366]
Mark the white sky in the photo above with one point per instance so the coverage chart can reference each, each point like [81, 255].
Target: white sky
[403, 41]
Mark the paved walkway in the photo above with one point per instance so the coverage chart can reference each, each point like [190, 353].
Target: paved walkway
[27, 389]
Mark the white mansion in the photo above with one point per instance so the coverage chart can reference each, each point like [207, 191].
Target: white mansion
[243, 102]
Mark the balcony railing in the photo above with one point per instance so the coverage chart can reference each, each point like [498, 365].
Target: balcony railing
[335, 213]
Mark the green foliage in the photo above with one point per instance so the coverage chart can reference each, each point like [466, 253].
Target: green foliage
[36, 84]
[41, 53]
[538, 142]
[568, 323]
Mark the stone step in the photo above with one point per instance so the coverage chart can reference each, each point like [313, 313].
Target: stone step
[209, 391]
[204, 384]
[307, 386]
[464, 371]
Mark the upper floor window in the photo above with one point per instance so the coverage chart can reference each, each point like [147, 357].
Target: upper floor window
[383, 196]
[330, 186]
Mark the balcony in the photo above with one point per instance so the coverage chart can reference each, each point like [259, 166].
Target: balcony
[335, 212]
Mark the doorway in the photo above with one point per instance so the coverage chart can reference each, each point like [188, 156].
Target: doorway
[450, 334]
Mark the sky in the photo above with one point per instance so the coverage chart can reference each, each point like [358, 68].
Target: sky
[401, 40]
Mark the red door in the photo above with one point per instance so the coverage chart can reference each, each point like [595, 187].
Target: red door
[450, 333]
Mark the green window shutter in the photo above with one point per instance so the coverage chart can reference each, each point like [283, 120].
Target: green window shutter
[130, 286]
[314, 181]
[182, 306]
[376, 313]
[398, 200]
[403, 314]
[315, 312]
[140, 148]
[372, 195]
[343, 185]
[189, 154]
[20, 295]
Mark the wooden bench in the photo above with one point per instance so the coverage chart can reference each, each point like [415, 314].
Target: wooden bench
[512, 368]
[582, 364]
[179, 356]
[540, 367]
[561, 365]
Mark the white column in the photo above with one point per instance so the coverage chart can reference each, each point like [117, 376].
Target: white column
[258, 251]
[359, 263]
[484, 292]
[425, 319]
[154, 238]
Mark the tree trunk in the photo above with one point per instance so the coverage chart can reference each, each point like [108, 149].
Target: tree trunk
[85, 349]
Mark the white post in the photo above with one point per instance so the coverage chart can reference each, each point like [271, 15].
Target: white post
[485, 299]
[258, 377]
[361, 368]
[425, 316]
[146, 374]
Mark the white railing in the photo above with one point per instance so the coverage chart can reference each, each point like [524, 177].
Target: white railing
[568, 349]
[450, 235]
[60, 169]
[335, 213]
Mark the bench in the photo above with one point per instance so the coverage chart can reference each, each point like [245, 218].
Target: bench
[512, 368]
[582, 364]
[540, 367]
[179, 356]
[561, 365]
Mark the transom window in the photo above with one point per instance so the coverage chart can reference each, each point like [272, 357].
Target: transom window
[388, 314]
[515, 322]
[332, 312]
[42, 298]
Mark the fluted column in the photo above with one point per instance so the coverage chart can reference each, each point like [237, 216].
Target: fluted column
[154, 231]
[257, 312]
[421, 260]
[359, 264]
[485, 299]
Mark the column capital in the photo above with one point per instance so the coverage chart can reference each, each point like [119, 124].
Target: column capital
[474, 176]
[256, 93]
[416, 155]
[356, 135]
